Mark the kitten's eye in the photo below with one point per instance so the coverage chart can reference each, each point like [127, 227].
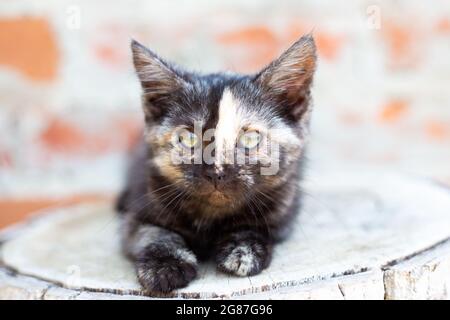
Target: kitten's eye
[250, 139]
[187, 139]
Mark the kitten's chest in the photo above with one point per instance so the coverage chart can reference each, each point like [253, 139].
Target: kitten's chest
[206, 225]
[203, 210]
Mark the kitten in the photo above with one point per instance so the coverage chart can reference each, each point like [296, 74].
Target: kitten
[216, 173]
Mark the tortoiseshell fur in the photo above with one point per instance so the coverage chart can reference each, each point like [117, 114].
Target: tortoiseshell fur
[172, 214]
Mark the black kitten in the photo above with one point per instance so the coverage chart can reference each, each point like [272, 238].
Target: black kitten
[216, 174]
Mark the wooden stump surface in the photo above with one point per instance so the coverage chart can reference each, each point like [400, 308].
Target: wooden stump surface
[369, 236]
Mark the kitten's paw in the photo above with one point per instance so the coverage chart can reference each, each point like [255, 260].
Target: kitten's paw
[245, 259]
[163, 272]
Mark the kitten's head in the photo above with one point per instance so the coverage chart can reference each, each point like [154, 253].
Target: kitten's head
[223, 137]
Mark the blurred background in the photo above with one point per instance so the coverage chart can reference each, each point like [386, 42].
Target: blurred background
[69, 100]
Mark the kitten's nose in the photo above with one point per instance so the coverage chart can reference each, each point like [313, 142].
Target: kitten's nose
[215, 176]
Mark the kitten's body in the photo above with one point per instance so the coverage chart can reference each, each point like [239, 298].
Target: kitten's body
[270, 216]
[175, 213]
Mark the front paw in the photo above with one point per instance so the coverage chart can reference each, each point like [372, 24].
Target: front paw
[244, 259]
[160, 271]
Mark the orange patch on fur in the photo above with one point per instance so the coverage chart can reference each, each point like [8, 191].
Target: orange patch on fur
[393, 110]
[167, 168]
[273, 180]
[157, 140]
[29, 45]
[218, 199]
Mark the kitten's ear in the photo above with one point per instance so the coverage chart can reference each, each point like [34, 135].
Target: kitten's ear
[158, 80]
[288, 79]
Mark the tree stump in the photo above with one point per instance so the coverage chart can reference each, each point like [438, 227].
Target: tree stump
[370, 236]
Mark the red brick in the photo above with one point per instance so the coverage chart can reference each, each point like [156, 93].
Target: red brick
[257, 45]
[403, 42]
[393, 110]
[60, 135]
[29, 46]
[437, 130]
[328, 45]
[443, 26]
[249, 36]
[15, 210]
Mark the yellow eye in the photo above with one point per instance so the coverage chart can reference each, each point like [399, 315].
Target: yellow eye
[250, 139]
[187, 139]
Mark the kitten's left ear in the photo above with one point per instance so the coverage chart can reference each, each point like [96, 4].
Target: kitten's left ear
[288, 79]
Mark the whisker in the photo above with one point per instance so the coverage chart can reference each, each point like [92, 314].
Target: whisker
[177, 205]
[135, 201]
[263, 216]
[162, 197]
[259, 209]
[168, 204]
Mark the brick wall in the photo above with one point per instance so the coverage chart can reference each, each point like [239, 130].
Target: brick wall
[69, 102]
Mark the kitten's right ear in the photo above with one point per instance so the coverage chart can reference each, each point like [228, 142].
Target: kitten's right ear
[158, 80]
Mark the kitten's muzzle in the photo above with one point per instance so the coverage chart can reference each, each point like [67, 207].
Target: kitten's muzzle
[219, 177]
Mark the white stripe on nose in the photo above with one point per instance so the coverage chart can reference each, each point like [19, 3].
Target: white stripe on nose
[227, 129]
